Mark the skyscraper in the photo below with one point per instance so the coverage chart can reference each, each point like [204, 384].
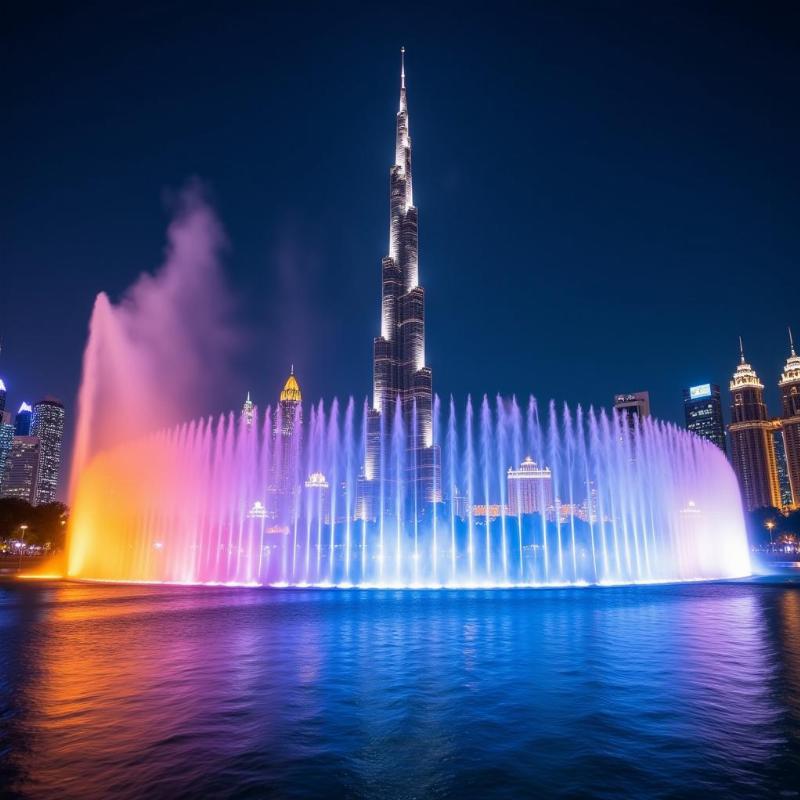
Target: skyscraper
[752, 448]
[635, 405]
[6, 437]
[22, 469]
[22, 422]
[287, 432]
[6, 432]
[789, 386]
[782, 468]
[530, 488]
[47, 424]
[399, 369]
[702, 406]
[248, 411]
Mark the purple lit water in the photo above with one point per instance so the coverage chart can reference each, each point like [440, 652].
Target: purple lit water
[198, 503]
[160, 692]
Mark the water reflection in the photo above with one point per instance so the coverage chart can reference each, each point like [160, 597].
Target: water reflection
[166, 692]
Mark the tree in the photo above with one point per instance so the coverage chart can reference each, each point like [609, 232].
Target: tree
[45, 523]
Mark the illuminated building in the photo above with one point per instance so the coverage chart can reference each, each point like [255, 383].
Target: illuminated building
[2, 396]
[258, 511]
[6, 437]
[47, 425]
[480, 512]
[318, 496]
[702, 406]
[399, 369]
[561, 512]
[752, 446]
[287, 433]
[22, 422]
[782, 468]
[634, 406]
[21, 473]
[530, 488]
[460, 504]
[248, 411]
[789, 386]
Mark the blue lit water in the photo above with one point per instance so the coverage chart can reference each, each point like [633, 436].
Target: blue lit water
[151, 692]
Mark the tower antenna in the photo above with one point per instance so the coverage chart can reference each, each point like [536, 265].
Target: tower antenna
[791, 340]
[402, 68]
[741, 350]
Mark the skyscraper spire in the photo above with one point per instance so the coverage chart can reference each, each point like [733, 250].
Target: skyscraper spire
[399, 370]
[791, 342]
[744, 375]
[403, 102]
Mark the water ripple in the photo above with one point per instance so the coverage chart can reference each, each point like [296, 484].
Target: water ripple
[661, 691]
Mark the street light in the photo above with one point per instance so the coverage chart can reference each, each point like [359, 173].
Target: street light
[770, 525]
[21, 545]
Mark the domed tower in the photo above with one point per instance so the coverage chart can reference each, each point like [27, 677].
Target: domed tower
[789, 386]
[287, 434]
[752, 447]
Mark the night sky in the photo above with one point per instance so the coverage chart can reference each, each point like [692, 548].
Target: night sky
[608, 192]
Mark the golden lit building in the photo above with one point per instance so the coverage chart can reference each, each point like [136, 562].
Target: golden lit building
[789, 386]
[751, 432]
[287, 438]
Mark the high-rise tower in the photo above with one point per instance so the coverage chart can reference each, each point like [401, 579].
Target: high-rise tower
[287, 433]
[789, 386]
[6, 432]
[48, 425]
[248, 411]
[399, 370]
[752, 447]
[22, 422]
[702, 406]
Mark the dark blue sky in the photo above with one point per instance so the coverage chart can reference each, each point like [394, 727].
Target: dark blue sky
[608, 192]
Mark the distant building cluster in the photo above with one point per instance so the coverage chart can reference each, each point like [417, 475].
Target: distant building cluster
[280, 505]
[30, 449]
[764, 451]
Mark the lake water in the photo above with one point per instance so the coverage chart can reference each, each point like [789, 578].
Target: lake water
[151, 692]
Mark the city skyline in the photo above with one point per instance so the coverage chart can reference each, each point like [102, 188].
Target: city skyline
[400, 400]
[522, 293]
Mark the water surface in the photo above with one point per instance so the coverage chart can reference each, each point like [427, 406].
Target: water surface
[667, 691]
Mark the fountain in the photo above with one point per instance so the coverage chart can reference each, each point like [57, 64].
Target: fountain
[617, 502]
[529, 495]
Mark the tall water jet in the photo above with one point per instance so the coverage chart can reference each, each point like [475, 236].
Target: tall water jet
[148, 363]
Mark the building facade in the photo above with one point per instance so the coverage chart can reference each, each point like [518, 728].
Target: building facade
[702, 406]
[6, 438]
[47, 424]
[789, 387]
[635, 406]
[21, 474]
[529, 488]
[751, 439]
[248, 411]
[400, 374]
[782, 469]
[22, 422]
[287, 441]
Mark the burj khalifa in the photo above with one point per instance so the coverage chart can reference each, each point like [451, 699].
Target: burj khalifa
[402, 382]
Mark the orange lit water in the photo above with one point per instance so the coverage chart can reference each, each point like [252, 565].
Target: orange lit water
[134, 692]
